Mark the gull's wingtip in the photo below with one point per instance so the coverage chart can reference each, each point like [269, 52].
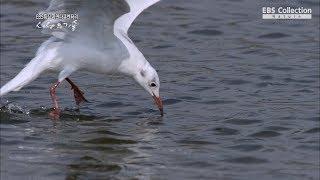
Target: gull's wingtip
[24, 77]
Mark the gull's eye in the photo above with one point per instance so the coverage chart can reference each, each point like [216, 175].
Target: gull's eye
[153, 84]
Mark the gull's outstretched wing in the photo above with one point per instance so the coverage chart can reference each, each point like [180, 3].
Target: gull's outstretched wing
[136, 7]
[98, 20]
[92, 21]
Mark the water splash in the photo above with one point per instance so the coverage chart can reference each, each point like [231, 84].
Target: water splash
[13, 108]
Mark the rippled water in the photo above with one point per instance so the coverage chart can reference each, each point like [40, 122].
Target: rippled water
[240, 93]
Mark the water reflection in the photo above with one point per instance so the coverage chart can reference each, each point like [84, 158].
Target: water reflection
[240, 99]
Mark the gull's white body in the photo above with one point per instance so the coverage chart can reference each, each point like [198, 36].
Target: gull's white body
[101, 50]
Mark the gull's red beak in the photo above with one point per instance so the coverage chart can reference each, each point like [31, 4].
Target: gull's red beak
[158, 102]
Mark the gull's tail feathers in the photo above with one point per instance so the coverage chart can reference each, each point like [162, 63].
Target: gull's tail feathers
[32, 70]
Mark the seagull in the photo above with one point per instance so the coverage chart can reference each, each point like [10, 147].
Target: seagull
[97, 42]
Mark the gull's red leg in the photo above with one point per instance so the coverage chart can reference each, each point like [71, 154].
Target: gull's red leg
[78, 94]
[55, 113]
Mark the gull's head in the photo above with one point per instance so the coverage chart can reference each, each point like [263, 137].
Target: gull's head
[148, 78]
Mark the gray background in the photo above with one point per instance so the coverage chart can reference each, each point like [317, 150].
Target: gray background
[240, 93]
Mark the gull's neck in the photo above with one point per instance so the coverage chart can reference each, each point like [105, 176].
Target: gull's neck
[136, 61]
[133, 65]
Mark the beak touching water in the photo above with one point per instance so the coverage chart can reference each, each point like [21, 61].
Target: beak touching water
[158, 102]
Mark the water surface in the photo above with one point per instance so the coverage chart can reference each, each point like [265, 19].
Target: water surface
[240, 93]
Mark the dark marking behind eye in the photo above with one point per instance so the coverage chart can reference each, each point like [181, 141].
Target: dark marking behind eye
[142, 73]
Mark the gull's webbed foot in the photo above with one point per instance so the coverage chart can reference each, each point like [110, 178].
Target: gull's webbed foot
[78, 94]
[55, 114]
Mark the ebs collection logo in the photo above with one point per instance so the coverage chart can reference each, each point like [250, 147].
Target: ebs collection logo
[286, 13]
